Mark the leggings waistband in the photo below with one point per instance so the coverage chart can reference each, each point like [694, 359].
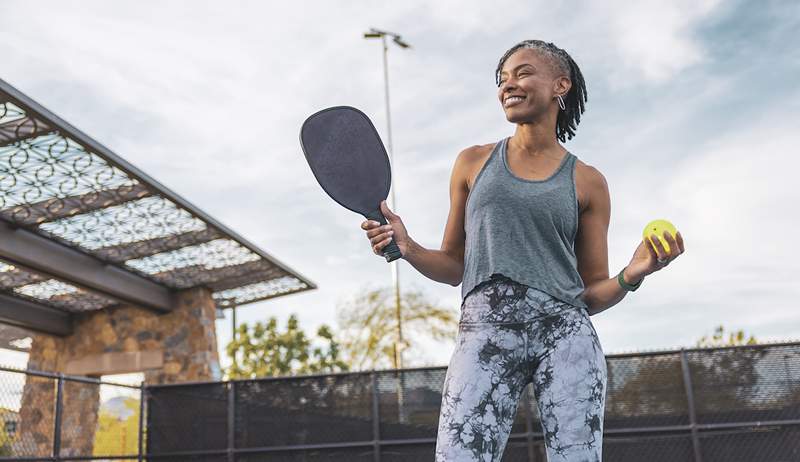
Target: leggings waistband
[501, 300]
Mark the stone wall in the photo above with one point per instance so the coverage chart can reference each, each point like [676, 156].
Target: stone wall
[180, 346]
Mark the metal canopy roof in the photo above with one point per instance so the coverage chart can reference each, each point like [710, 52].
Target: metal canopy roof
[81, 229]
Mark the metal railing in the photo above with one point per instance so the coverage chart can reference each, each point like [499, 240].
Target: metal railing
[699, 405]
[54, 417]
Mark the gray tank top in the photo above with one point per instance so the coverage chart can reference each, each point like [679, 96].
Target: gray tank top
[523, 229]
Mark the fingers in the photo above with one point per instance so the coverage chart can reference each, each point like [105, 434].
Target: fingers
[379, 236]
[376, 231]
[650, 246]
[675, 247]
[675, 244]
[378, 248]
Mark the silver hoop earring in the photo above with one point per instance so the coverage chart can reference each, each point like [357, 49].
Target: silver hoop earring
[561, 103]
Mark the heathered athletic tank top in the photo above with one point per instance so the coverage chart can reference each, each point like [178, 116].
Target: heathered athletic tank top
[523, 229]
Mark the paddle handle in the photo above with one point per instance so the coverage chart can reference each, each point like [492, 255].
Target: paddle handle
[390, 251]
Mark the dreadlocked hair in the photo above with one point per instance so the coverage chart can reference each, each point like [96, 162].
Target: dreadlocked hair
[575, 99]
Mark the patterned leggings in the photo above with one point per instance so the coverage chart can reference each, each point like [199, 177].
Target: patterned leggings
[511, 335]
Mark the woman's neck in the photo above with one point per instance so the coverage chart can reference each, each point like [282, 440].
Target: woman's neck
[536, 140]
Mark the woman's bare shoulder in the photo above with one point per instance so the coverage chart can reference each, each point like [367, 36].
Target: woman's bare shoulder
[471, 160]
[476, 152]
[590, 182]
[589, 173]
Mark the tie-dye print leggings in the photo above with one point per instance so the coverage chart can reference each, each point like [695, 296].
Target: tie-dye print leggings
[510, 335]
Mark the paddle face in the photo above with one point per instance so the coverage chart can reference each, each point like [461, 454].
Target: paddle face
[348, 159]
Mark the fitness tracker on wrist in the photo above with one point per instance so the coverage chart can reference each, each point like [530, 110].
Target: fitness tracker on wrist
[625, 285]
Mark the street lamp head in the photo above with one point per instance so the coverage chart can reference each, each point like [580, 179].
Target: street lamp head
[401, 43]
[377, 33]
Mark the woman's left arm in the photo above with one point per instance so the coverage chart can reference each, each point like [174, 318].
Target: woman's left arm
[591, 249]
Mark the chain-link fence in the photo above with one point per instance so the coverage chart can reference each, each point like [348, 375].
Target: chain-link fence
[52, 417]
[722, 404]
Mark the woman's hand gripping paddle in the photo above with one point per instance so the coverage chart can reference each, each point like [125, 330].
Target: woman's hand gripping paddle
[348, 159]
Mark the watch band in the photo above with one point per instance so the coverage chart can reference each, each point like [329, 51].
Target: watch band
[625, 285]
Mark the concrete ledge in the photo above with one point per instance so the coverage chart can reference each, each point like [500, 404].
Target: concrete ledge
[116, 363]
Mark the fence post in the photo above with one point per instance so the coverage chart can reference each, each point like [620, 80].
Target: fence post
[376, 419]
[57, 419]
[231, 421]
[142, 397]
[687, 384]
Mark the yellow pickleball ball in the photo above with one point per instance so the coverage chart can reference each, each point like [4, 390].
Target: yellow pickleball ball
[658, 227]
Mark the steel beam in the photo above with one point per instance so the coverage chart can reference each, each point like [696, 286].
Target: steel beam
[26, 248]
[31, 315]
[139, 249]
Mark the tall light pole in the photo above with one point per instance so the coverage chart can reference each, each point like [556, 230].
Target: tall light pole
[382, 34]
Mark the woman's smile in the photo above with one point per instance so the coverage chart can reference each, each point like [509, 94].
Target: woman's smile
[513, 101]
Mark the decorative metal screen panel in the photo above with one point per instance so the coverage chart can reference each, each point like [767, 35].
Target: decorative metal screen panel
[60, 184]
[35, 287]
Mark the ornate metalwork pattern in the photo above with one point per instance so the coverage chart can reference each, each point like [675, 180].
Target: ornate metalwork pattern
[58, 294]
[12, 277]
[144, 219]
[183, 267]
[47, 291]
[258, 291]
[57, 182]
[16, 125]
[52, 167]
[139, 249]
[10, 112]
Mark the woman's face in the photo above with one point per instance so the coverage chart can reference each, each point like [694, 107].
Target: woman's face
[528, 85]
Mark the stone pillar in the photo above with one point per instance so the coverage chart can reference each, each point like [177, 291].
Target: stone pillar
[37, 407]
[180, 346]
[188, 337]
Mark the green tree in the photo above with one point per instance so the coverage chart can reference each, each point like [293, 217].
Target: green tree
[718, 339]
[723, 380]
[368, 326]
[265, 351]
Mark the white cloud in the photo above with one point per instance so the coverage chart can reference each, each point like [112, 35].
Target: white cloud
[655, 38]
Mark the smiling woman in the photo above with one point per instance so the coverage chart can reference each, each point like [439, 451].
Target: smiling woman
[572, 104]
[526, 238]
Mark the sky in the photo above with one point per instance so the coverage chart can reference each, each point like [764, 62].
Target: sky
[692, 116]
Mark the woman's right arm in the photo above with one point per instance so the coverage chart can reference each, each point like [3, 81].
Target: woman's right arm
[446, 264]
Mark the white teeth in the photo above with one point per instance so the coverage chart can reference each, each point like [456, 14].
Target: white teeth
[513, 99]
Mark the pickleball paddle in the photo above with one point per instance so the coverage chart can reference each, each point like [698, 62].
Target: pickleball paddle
[349, 161]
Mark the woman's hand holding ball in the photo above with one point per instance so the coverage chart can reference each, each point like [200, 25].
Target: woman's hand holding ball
[661, 244]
